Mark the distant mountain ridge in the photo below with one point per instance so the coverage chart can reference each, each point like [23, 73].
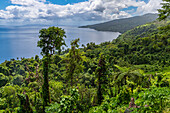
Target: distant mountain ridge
[123, 25]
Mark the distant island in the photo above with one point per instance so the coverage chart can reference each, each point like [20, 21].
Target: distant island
[123, 25]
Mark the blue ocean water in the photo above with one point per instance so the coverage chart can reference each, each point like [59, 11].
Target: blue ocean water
[21, 41]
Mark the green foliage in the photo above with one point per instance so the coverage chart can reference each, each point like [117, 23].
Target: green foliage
[4, 70]
[101, 75]
[146, 44]
[124, 96]
[109, 105]
[8, 97]
[67, 104]
[24, 104]
[74, 59]
[154, 100]
[51, 39]
[106, 76]
[53, 108]
[3, 79]
[165, 11]
[56, 90]
[18, 80]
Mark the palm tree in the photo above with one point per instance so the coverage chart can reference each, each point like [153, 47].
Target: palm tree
[124, 74]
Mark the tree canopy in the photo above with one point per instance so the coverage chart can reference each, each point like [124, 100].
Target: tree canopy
[51, 39]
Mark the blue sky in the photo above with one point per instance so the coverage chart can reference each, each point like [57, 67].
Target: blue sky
[5, 3]
[64, 2]
[72, 12]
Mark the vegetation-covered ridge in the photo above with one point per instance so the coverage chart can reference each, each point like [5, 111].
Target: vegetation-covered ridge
[123, 25]
[93, 79]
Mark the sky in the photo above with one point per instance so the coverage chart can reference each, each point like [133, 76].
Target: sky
[72, 12]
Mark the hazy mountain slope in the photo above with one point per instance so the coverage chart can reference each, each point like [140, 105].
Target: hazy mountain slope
[123, 25]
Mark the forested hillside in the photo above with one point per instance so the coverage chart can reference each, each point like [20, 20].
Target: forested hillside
[123, 25]
[129, 74]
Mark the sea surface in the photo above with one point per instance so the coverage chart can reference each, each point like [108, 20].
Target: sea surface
[21, 41]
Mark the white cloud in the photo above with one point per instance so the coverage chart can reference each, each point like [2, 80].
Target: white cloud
[151, 7]
[5, 14]
[93, 10]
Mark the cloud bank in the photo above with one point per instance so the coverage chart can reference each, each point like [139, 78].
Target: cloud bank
[41, 11]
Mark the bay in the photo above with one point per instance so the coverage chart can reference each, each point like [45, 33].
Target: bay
[21, 41]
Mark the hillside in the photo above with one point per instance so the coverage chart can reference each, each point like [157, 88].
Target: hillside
[123, 25]
[145, 44]
[102, 78]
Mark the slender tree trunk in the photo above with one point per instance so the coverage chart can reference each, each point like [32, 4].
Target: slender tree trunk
[46, 94]
[99, 93]
[71, 75]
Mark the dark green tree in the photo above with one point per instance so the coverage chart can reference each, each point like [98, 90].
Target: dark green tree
[165, 11]
[51, 41]
[74, 59]
[101, 74]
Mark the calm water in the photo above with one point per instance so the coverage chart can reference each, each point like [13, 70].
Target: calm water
[22, 41]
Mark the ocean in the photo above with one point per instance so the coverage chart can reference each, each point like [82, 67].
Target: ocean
[21, 41]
